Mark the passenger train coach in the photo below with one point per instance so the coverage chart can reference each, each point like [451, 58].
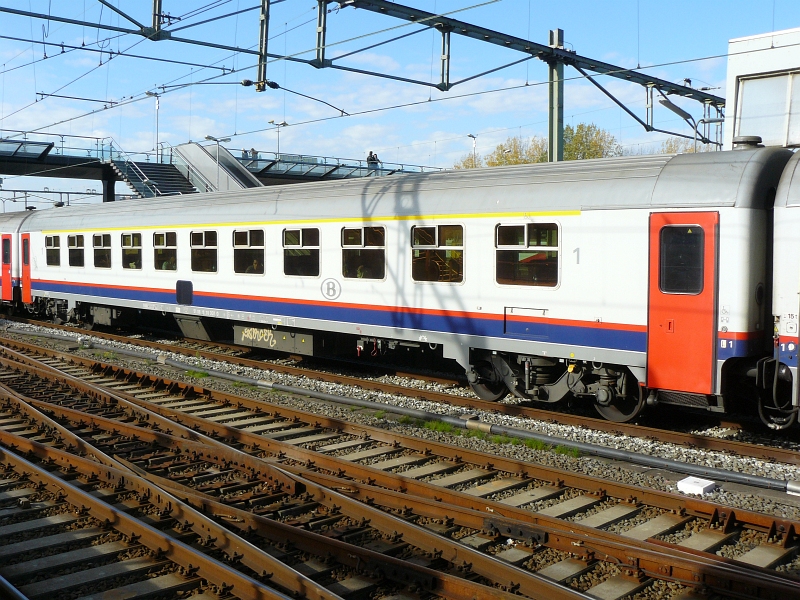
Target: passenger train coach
[623, 281]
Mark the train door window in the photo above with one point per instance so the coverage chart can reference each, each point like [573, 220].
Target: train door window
[681, 259]
[248, 251]
[6, 251]
[204, 251]
[75, 250]
[101, 243]
[52, 244]
[301, 252]
[165, 251]
[364, 252]
[437, 253]
[527, 254]
[131, 250]
[26, 251]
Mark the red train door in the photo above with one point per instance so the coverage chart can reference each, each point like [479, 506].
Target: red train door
[8, 292]
[681, 325]
[26, 268]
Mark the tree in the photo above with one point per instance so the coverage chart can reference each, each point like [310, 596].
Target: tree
[469, 161]
[517, 151]
[581, 142]
[589, 141]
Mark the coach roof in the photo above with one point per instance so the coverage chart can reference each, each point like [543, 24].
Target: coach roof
[714, 179]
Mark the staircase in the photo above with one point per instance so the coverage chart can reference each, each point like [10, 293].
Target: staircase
[149, 180]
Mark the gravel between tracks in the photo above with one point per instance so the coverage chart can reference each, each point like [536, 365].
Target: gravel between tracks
[588, 465]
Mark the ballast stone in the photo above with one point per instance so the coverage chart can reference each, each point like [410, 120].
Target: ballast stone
[695, 485]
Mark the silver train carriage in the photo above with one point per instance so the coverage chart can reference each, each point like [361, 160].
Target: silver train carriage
[624, 281]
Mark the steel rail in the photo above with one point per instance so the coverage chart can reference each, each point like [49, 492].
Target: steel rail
[191, 424]
[509, 576]
[682, 566]
[359, 558]
[440, 494]
[157, 541]
[194, 425]
[197, 443]
[783, 455]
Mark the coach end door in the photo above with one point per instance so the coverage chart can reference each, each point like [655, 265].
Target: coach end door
[26, 268]
[8, 292]
[681, 328]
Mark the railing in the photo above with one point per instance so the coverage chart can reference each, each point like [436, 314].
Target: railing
[107, 148]
[197, 179]
[355, 167]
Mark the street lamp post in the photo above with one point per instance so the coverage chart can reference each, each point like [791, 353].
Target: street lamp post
[157, 97]
[474, 143]
[218, 141]
[278, 127]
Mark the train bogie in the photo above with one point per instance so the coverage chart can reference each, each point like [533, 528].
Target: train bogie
[624, 282]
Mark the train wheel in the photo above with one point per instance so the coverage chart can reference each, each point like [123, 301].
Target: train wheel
[489, 387]
[624, 407]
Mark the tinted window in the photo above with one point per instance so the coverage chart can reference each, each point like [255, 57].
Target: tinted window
[527, 255]
[681, 266]
[6, 252]
[75, 246]
[53, 250]
[301, 252]
[363, 253]
[437, 253]
[101, 242]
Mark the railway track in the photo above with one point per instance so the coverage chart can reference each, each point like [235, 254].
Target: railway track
[563, 526]
[689, 440]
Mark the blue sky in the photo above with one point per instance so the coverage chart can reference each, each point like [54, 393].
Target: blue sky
[431, 132]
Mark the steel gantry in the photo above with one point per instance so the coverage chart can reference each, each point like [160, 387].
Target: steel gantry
[554, 54]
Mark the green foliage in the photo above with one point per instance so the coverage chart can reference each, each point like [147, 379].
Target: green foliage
[518, 151]
[197, 374]
[580, 142]
[589, 141]
[109, 355]
[536, 445]
[380, 414]
[439, 426]
[573, 452]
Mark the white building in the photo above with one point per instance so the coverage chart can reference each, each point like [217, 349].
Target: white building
[763, 88]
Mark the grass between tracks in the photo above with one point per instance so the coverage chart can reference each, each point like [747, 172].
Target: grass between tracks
[447, 428]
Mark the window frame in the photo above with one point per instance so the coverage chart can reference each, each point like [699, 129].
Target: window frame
[132, 246]
[437, 246]
[204, 246]
[52, 243]
[526, 246]
[101, 247]
[302, 246]
[165, 246]
[661, 256]
[75, 238]
[249, 247]
[363, 246]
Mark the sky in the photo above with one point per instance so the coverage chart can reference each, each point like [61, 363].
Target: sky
[402, 122]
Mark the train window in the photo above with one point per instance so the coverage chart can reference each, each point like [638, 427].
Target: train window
[75, 250]
[437, 253]
[301, 252]
[131, 250]
[26, 252]
[248, 251]
[165, 251]
[204, 251]
[52, 244]
[681, 260]
[101, 243]
[7, 251]
[363, 252]
[527, 254]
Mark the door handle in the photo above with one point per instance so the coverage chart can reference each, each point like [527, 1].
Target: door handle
[670, 325]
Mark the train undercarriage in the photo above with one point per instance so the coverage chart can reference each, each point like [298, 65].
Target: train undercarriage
[613, 390]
